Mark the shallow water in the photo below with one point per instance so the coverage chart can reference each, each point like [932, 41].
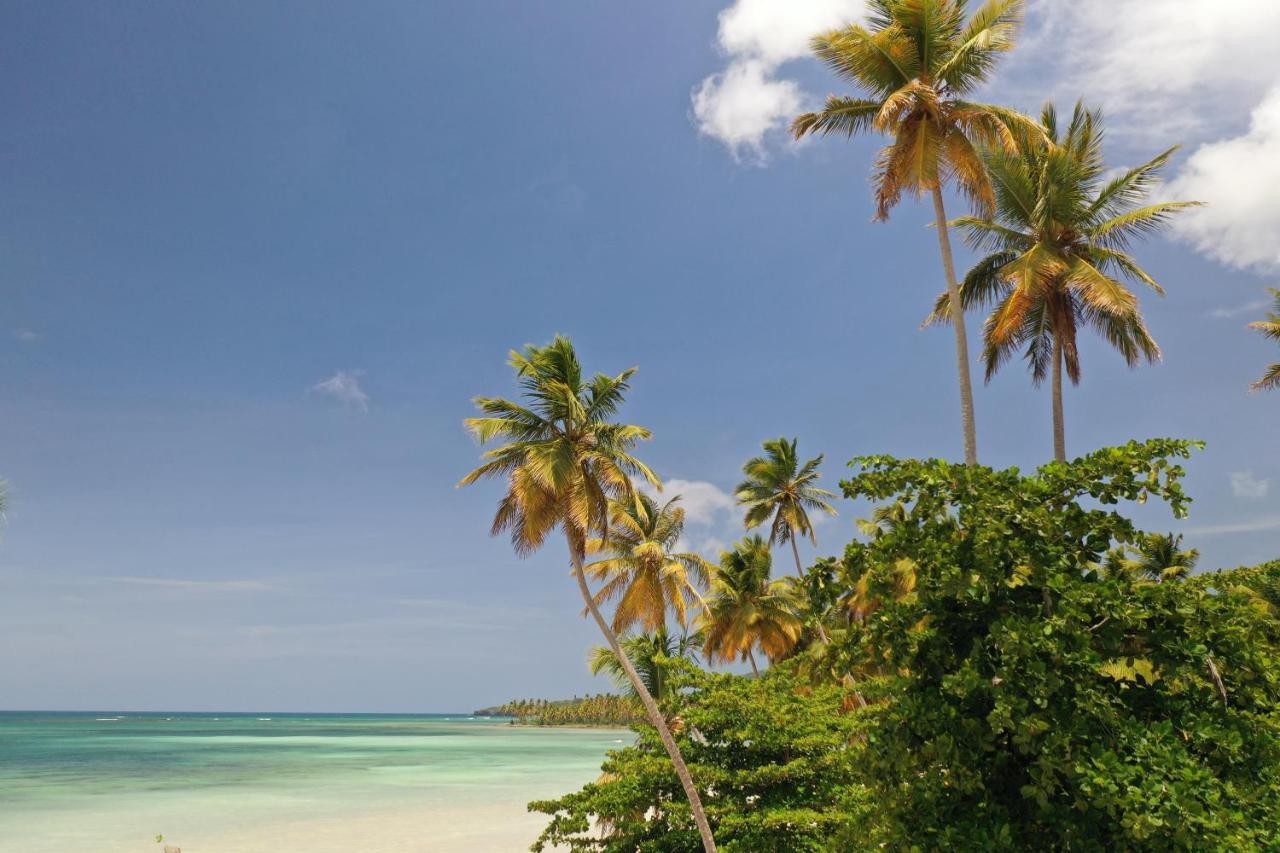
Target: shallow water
[107, 782]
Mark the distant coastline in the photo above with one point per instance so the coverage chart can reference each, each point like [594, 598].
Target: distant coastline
[604, 710]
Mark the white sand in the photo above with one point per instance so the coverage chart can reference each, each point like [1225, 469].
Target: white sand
[470, 829]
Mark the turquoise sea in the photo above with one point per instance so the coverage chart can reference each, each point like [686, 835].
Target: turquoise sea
[103, 782]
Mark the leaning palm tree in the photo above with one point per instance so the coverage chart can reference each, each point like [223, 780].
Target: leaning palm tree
[641, 568]
[915, 64]
[1270, 329]
[748, 610]
[650, 654]
[563, 459]
[1057, 254]
[780, 490]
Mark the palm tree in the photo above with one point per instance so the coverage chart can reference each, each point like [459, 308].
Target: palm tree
[641, 569]
[778, 487]
[884, 520]
[1058, 256]
[563, 460]
[1270, 329]
[1158, 557]
[645, 651]
[747, 610]
[914, 65]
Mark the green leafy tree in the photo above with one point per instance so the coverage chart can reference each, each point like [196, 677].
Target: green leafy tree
[653, 656]
[780, 754]
[1270, 329]
[640, 567]
[563, 459]
[779, 489]
[1057, 257]
[915, 65]
[1029, 700]
[747, 609]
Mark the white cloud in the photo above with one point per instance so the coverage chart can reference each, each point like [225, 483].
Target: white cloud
[1245, 485]
[344, 386]
[703, 502]
[742, 104]
[1158, 67]
[27, 336]
[709, 547]
[1256, 526]
[1175, 71]
[1240, 310]
[189, 585]
[1238, 178]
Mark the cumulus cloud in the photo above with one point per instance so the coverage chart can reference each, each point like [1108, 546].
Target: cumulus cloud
[1198, 72]
[744, 102]
[1158, 67]
[1238, 177]
[27, 336]
[1245, 485]
[344, 386]
[703, 502]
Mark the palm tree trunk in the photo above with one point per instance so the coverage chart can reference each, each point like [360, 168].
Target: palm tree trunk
[1059, 425]
[962, 336]
[754, 669]
[650, 706]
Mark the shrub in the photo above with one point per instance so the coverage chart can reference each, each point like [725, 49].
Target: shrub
[1034, 700]
[777, 758]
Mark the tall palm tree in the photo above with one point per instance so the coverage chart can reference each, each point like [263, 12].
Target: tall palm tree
[914, 65]
[1270, 329]
[563, 459]
[644, 651]
[747, 609]
[778, 488]
[1057, 254]
[641, 569]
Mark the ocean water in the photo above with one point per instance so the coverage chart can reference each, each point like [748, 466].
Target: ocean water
[221, 783]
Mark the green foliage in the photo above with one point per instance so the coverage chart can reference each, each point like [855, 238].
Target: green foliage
[992, 682]
[777, 759]
[1035, 701]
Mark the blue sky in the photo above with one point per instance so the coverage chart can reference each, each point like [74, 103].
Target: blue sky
[255, 259]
